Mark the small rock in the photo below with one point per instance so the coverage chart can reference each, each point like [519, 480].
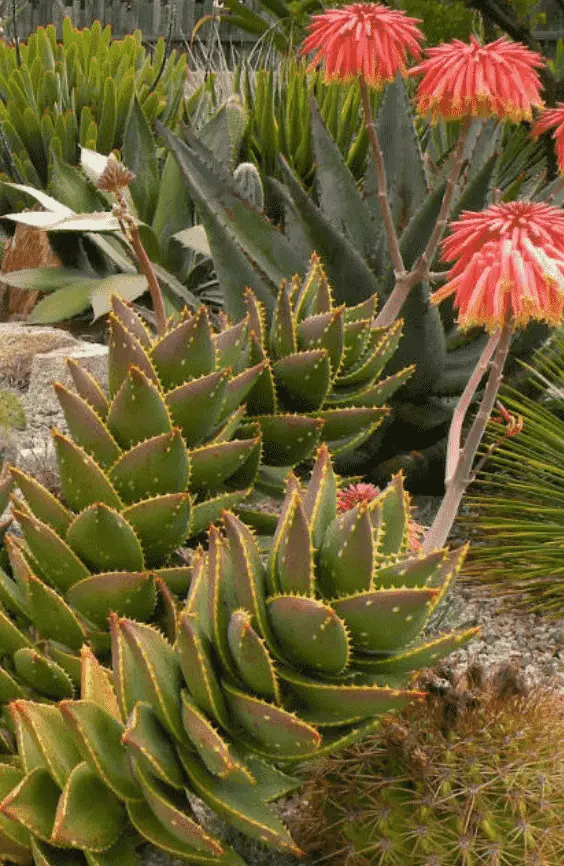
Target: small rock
[19, 344]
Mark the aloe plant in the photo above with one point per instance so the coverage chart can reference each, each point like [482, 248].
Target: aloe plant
[79, 92]
[269, 663]
[344, 225]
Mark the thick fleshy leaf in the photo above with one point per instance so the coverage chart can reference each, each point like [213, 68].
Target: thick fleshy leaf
[232, 346]
[288, 439]
[213, 750]
[393, 532]
[127, 593]
[320, 498]
[187, 352]
[251, 657]
[303, 380]
[103, 538]
[11, 638]
[282, 339]
[42, 503]
[121, 854]
[33, 803]
[314, 296]
[309, 633]
[240, 387]
[155, 467]
[161, 524]
[176, 577]
[196, 406]
[282, 733]
[345, 429]
[52, 616]
[381, 346]
[159, 668]
[83, 481]
[172, 813]
[346, 555]
[146, 740]
[212, 465]
[423, 655]
[125, 351]
[88, 388]
[96, 683]
[339, 704]
[291, 561]
[45, 725]
[373, 395]
[387, 619]
[249, 574]
[87, 428]
[325, 331]
[138, 411]
[270, 782]
[42, 674]
[224, 797]
[415, 570]
[143, 819]
[199, 675]
[60, 566]
[14, 839]
[12, 593]
[356, 338]
[125, 313]
[205, 513]
[218, 588]
[10, 690]
[89, 816]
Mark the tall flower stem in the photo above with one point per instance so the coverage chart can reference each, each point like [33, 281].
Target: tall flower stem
[146, 266]
[420, 271]
[463, 458]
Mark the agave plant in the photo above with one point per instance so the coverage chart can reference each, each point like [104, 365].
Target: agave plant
[344, 225]
[271, 663]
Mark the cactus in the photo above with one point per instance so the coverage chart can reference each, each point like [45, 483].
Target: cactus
[474, 776]
[274, 662]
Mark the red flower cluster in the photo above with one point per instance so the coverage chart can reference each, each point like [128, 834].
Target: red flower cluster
[352, 495]
[553, 118]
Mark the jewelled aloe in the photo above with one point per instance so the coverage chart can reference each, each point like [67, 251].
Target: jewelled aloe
[325, 375]
[269, 661]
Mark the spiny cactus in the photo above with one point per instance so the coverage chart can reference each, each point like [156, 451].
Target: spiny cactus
[282, 661]
[325, 361]
[473, 776]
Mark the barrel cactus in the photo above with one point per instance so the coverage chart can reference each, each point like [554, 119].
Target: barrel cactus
[266, 662]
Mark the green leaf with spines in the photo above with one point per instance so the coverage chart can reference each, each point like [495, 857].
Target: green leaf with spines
[138, 411]
[161, 524]
[282, 733]
[324, 331]
[282, 338]
[213, 750]
[147, 741]
[409, 571]
[127, 593]
[338, 704]
[320, 497]
[199, 675]
[45, 725]
[355, 339]
[89, 816]
[12, 595]
[87, 428]
[213, 465]
[10, 689]
[185, 352]
[254, 663]
[83, 481]
[33, 803]
[239, 387]
[103, 538]
[176, 577]
[291, 564]
[232, 346]
[159, 668]
[11, 638]
[10, 777]
[394, 527]
[373, 395]
[42, 674]
[303, 380]
[125, 351]
[155, 467]
[196, 406]
[346, 428]
[288, 439]
[42, 503]
[309, 633]
[60, 565]
[417, 657]
[346, 554]
[124, 312]
[52, 616]
[209, 511]
[224, 796]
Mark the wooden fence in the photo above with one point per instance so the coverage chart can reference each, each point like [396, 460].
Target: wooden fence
[152, 17]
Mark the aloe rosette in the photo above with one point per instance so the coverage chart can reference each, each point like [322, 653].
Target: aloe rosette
[324, 379]
[144, 469]
[269, 662]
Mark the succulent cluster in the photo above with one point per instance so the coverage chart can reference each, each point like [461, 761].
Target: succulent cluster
[473, 775]
[266, 662]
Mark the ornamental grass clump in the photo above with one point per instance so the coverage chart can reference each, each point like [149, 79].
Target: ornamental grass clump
[267, 663]
[472, 776]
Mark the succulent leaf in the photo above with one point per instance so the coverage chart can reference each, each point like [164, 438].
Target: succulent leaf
[42, 674]
[89, 816]
[125, 351]
[186, 352]
[161, 524]
[346, 555]
[42, 503]
[138, 411]
[146, 740]
[87, 428]
[155, 467]
[52, 616]
[83, 481]
[309, 633]
[127, 593]
[196, 406]
[103, 538]
[254, 664]
[60, 565]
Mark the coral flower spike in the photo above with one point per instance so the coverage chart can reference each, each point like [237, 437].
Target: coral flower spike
[553, 118]
[363, 39]
[469, 79]
[509, 263]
